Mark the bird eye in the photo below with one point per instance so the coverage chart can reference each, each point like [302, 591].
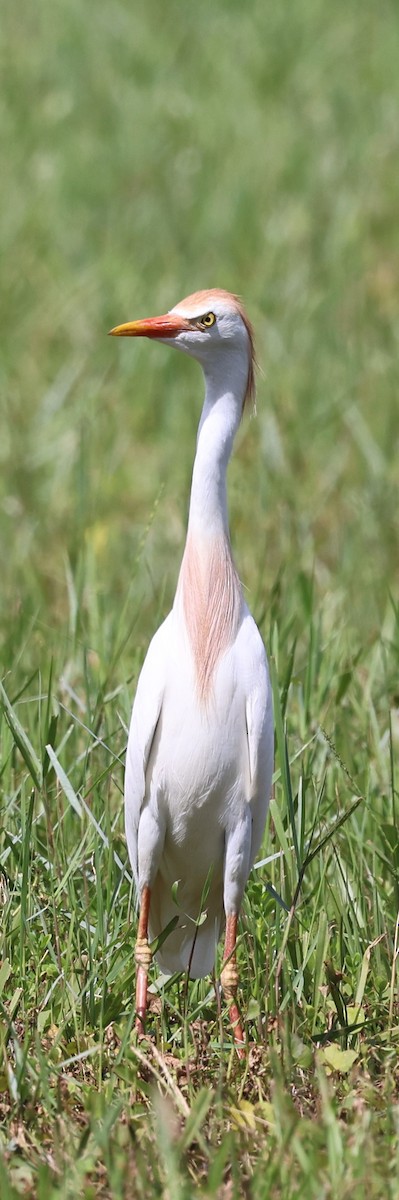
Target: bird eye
[207, 320]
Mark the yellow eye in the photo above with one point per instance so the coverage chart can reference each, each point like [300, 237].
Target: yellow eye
[207, 320]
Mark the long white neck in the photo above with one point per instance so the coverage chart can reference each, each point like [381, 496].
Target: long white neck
[209, 593]
[219, 422]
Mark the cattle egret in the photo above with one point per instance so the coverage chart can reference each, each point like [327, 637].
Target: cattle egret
[200, 749]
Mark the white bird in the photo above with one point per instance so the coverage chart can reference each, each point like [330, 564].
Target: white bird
[200, 749]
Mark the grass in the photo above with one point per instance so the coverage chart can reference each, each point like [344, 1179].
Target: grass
[149, 153]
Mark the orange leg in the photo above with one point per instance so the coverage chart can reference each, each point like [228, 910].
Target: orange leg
[143, 958]
[229, 981]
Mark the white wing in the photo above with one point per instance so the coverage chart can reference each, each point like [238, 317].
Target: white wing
[259, 727]
[246, 820]
[144, 720]
[259, 720]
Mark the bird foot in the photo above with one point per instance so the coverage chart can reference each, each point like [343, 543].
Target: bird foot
[229, 982]
[143, 954]
[139, 1026]
[229, 979]
[141, 999]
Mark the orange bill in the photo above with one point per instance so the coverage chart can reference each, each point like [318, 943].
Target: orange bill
[167, 326]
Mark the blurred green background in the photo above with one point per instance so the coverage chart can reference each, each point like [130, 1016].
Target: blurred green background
[150, 150]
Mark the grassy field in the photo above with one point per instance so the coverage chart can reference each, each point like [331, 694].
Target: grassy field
[149, 150]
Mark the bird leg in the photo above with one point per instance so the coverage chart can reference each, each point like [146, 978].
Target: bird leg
[229, 981]
[143, 958]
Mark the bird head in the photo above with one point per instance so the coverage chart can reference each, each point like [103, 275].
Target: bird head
[204, 325]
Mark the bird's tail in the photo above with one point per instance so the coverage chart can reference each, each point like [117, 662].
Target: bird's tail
[191, 946]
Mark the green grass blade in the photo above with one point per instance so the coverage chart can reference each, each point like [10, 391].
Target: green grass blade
[21, 739]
